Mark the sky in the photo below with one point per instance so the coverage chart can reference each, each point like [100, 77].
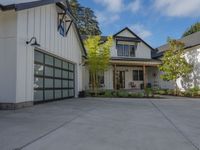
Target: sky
[153, 20]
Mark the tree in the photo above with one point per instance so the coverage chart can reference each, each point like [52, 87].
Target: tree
[174, 63]
[98, 57]
[85, 19]
[193, 29]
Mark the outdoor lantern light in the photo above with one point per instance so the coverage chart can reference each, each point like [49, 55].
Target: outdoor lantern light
[35, 42]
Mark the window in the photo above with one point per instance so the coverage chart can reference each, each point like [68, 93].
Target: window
[126, 50]
[132, 50]
[120, 50]
[138, 75]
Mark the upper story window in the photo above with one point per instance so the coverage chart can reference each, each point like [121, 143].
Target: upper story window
[126, 50]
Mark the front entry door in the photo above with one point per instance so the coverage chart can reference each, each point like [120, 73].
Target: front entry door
[121, 79]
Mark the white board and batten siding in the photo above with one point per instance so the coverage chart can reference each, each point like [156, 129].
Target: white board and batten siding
[8, 39]
[41, 22]
[142, 51]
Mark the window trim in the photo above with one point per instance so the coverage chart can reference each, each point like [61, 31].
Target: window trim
[123, 50]
[139, 78]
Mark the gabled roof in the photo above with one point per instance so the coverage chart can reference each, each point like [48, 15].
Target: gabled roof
[25, 4]
[126, 28]
[189, 41]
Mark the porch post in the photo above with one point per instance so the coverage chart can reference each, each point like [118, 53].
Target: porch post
[144, 76]
[114, 77]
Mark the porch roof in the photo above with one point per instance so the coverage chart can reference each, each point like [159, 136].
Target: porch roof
[135, 61]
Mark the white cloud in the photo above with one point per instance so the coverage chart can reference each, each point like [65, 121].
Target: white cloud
[117, 6]
[112, 5]
[178, 8]
[141, 30]
[134, 6]
[105, 18]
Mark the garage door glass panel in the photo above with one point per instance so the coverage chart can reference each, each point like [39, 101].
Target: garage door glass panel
[38, 83]
[65, 74]
[71, 84]
[48, 60]
[49, 71]
[58, 83]
[49, 95]
[71, 93]
[71, 75]
[38, 95]
[48, 83]
[65, 84]
[65, 65]
[58, 63]
[65, 93]
[58, 73]
[71, 67]
[58, 94]
[39, 57]
[39, 69]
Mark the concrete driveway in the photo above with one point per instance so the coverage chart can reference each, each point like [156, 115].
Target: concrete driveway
[103, 124]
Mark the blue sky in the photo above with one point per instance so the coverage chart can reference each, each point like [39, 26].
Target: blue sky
[152, 20]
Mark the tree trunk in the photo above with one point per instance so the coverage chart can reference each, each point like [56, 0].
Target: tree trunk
[176, 88]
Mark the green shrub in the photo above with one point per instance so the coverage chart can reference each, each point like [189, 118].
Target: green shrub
[108, 93]
[122, 94]
[193, 91]
[149, 92]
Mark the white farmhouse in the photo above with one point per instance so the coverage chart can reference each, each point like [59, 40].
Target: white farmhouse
[131, 66]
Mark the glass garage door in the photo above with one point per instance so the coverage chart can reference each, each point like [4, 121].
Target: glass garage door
[53, 78]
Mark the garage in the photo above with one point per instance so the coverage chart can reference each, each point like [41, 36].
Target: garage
[53, 78]
[41, 53]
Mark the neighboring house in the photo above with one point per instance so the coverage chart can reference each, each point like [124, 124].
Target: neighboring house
[49, 67]
[131, 64]
[192, 55]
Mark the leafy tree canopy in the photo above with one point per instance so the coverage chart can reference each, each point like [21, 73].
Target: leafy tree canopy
[193, 29]
[86, 20]
[98, 57]
[174, 63]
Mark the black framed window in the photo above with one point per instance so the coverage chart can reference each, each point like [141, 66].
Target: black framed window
[54, 78]
[132, 50]
[138, 75]
[120, 49]
[126, 50]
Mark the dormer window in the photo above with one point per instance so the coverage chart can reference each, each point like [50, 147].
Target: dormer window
[126, 50]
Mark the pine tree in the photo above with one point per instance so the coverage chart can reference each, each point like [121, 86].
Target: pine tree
[193, 29]
[86, 19]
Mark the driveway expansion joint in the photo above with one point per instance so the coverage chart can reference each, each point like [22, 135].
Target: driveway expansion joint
[175, 126]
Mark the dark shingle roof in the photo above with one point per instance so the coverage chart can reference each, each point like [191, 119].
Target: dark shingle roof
[189, 41]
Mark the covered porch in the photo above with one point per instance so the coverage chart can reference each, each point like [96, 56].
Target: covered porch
[135, 74]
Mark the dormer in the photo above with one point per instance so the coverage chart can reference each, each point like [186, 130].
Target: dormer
[128, 44]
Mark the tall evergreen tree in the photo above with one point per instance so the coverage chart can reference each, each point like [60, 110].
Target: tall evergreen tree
[86, 19]
[194, 28]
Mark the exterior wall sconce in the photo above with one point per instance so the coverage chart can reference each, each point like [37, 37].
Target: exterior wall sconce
[35, 43]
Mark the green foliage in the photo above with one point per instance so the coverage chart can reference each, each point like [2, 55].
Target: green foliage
[85, 19]
[193, 91]
[194, 28]
[149, 92]
[98, 57]
[122, 94]
[174, 63]
[108, 93]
